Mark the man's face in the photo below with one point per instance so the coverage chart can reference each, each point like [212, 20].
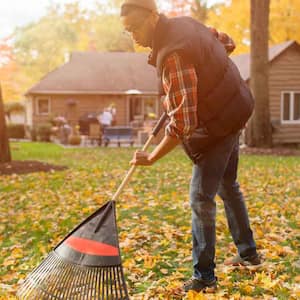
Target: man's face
[140, 29]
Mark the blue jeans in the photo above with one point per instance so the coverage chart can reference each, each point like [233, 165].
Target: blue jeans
[216, 173]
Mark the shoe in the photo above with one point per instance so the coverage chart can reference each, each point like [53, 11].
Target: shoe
[200, 285]
[246, 261]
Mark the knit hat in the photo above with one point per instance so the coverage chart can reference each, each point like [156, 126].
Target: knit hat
[146, 4]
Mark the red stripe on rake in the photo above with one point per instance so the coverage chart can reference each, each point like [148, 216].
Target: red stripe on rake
[91, 247]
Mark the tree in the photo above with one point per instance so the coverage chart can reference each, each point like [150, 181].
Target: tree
[284, 21]
[5, 155]
[200, 10]
[234, 19]
[260, 134]
[8, 70]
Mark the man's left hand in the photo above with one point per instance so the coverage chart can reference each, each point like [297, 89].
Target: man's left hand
[141, 158]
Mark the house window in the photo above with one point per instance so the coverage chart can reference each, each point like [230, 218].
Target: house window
[290, 107]
[43, 106]
[141, 108]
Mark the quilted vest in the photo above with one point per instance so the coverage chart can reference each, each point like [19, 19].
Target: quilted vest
[225, 102]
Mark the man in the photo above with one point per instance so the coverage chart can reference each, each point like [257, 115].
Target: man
[208, 104]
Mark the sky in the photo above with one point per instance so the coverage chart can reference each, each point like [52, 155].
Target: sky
[15, 13]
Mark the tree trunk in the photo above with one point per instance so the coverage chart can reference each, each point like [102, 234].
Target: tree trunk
[4, 142]
[260, 134]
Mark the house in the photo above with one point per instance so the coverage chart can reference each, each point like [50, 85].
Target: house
[91, 81]
[284, 85]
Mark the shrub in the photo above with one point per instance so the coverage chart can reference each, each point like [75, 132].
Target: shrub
[43, 132]
[16, 131]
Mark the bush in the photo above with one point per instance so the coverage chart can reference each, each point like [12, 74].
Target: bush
[75, 140]
[43, 132]
[16, 131]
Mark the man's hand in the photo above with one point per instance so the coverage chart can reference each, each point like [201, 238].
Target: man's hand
[225, 39]
[141, 158]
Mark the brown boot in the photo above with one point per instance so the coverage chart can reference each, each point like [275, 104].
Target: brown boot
[246, 261]
[200, 285]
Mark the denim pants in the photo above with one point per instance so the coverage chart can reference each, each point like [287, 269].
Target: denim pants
[216, 173]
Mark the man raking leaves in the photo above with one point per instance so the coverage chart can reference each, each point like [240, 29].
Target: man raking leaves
[208, 104]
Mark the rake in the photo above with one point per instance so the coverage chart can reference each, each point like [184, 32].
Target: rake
[86, 264]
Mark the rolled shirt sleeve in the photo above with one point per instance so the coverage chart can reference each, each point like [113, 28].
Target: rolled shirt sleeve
[180, 83]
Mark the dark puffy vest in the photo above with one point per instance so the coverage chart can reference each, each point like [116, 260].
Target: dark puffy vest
[224, 100]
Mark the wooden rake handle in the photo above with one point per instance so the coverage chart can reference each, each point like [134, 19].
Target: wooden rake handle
[154, 132]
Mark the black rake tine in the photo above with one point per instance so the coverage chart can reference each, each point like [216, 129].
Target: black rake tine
[116, 282]
[63, 280]
[68, 280]
[97, 270]
[72, 291]
[86, 285]
[94, 283]
[119, 283]
[57, 287]
[109, 282]
[90, 293]
[106, 285]
[54, 279]
[112, 282]
[97, 273]
[78, 284]
[82, 287]
[75, 275]
[47, 286]
[102, 284]
[29, 284]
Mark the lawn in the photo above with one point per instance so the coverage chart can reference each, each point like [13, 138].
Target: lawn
[37, 210]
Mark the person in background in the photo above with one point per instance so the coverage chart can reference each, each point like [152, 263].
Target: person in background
[105, 118]
[208, 104]
[113, 111]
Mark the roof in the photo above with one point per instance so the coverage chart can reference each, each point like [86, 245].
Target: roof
[243, 60]
[100, 73]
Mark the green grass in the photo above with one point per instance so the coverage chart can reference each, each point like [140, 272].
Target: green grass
[37, 210]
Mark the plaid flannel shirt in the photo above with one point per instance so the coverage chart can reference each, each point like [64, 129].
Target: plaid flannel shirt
[180, 85]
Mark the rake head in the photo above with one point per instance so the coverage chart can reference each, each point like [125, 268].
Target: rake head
[85, 265]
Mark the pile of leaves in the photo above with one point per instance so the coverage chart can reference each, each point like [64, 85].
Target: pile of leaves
[153, 215]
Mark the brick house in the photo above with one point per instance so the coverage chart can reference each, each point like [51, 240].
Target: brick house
[91, 81]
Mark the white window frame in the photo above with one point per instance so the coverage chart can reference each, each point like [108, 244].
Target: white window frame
[292, 102]
[37, 106]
